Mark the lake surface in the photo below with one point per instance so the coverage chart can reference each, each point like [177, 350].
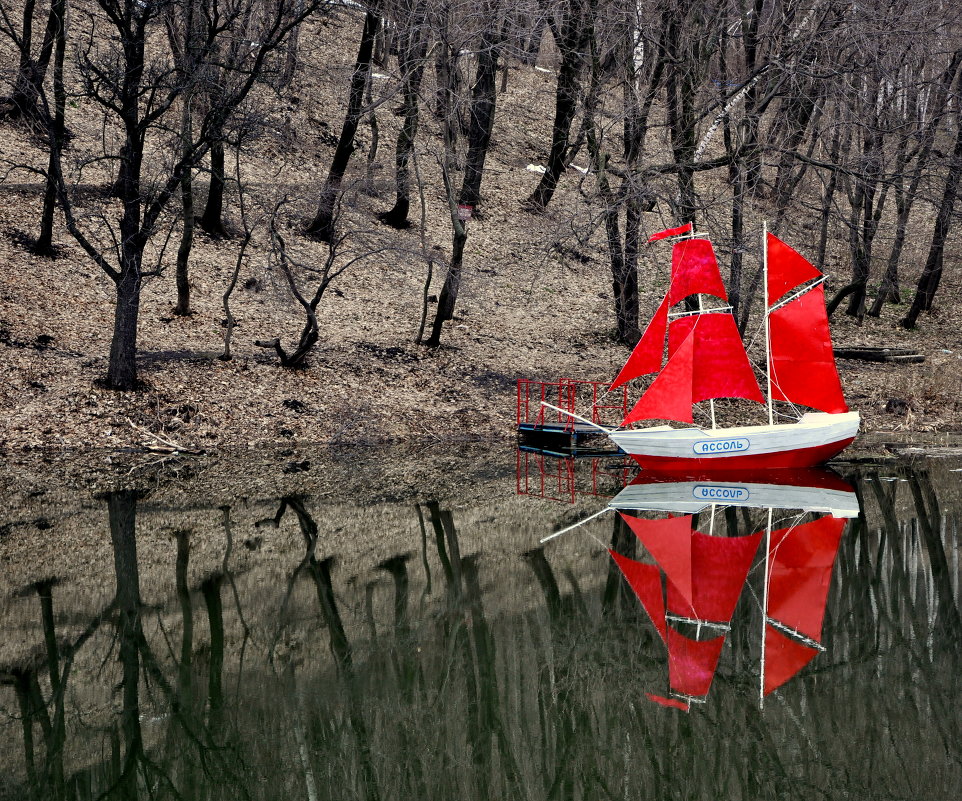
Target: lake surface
[297, 632]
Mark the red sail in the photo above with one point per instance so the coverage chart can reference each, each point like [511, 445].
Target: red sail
[784, 657]
[800, 573]
[694, 270]
[719, 567]
[720, 366]
[648, 353]
[802, 362]
[669, 396]
[645, 580]
[669, 702]
[669, 542]
[786, 269]
[692, 663]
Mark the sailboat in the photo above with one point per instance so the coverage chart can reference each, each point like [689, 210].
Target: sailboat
[693, 585]
[706, 359]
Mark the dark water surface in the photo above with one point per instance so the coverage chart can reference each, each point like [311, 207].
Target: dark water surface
[416, 642]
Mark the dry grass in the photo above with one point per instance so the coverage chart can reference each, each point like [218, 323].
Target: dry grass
[536, 299]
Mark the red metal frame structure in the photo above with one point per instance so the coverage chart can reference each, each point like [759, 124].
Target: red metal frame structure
[552, 485]
[556, 479]
[571, 395]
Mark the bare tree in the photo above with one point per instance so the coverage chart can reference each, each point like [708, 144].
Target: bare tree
[304, 271]
[137, 88]
[184, 31]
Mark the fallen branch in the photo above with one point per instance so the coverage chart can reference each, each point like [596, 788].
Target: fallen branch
[158, 443]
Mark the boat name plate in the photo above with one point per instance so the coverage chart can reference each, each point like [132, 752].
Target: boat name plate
[706, 492]
[710, 446]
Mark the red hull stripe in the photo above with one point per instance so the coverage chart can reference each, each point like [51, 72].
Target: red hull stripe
[797, 457]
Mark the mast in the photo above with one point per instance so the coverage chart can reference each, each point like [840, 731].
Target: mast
[768, 344]
[768, 540]
[711, 401]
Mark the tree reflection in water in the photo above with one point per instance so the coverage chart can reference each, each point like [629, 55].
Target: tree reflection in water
[451, 670]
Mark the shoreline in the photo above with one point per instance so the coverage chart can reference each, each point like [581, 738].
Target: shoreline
[361, 466]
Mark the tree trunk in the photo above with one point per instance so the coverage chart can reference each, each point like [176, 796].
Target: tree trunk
[738, 182]
[905, 199]
[932, 272]
[482, 108]
[122, 367]
[28, 708]
[624, 275]
[212, 221]
[451, 287]
[889, 288]
[802, 113]
[57, 737]
[411, 57]
[25, 88]
[624, 283]
[839, 147]
[322, 226]
[215, 625]
[370, 186]
[122, 511]
[869, 209]
[57, 133]
[290, 54]
[753, 161]
[483, 100]
[572, 41]
[533, 45]
[182, 307]
[680, 113]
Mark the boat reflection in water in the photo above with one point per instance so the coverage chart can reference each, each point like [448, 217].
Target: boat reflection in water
[692, 581]
[329, 639]
[808, 489]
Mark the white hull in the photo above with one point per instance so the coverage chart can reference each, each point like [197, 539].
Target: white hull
[815, 438]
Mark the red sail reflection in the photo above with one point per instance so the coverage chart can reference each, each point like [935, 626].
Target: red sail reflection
[696, 580]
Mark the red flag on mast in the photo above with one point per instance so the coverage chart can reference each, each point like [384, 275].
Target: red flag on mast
[681, 229]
